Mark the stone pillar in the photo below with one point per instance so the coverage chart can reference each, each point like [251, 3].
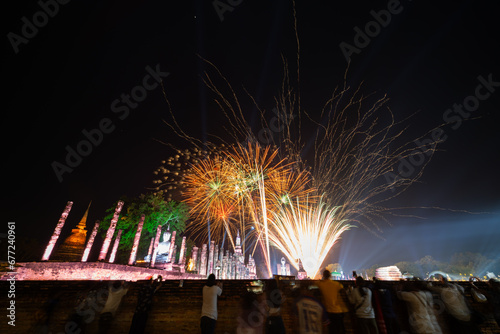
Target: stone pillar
[174, 252]
[152, 260]
[115, 246]
[211, 257]
[172, 244]
[203, 261]
[133, 253]
[224, 266]
[86, 252]
[251, 267]
[194, 257]
[57, 232]
[110, 232]
[182, 259]
[150, 250]
[216, 255]
[231, 266]
[198, 262]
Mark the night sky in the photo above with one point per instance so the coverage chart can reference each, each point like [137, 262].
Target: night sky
[68, 76]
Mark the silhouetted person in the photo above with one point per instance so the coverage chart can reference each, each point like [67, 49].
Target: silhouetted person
[333, 295]
[88, 304]
[493, 296]
[460, 319]
[420, 308]
[116, 290]
[43, 316]
[251, 318]
[144, 301]
[386, 307]
[211, 291]
[274, 297]
[311, 316]
[361, 298]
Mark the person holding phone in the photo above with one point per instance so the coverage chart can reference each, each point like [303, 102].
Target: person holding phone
[211, 291]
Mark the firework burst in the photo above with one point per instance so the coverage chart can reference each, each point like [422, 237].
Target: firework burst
[306, 231]
[301, 192]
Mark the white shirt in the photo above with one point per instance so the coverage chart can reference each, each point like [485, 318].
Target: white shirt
[114, 299]
[311, 314]
[209, 308]
[363, 305]
[453, 299]
[421, 313]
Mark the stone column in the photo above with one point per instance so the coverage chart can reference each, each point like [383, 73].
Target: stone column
[203, 261]
[211, 257]
[172, 244]
[115, 246]
[194, 257]
[110, 232]
[152, 260]
[231, 266]
[174, 252]
[150, 250]
[224, 265]
[133, 253]
[182, 259]
[197, 264]
[216, 255]
[86, 252]
[57, 232]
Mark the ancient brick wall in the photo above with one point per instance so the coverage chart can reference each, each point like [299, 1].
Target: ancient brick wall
[73, 271]
[176, 309]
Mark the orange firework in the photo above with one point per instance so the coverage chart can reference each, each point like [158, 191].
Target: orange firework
[237, 188]
[209, 192]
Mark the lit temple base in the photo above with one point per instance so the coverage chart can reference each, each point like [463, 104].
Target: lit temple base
[80, 271]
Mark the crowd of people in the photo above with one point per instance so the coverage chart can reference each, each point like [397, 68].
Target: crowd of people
[327, 309]
[325, 306]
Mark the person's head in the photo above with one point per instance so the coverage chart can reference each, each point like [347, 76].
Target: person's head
[327, 274]
[442, 279]
[378, 284]
[211, 280]
[271, 285]
[117, 284]
[360, 281]
[306, 291]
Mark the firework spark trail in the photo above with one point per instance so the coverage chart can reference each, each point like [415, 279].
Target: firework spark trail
[306, 234]
[356, 145]
[243, 184]
[209, 195]
[352, 155]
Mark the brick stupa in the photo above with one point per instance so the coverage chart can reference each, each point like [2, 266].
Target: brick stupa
[72, 248]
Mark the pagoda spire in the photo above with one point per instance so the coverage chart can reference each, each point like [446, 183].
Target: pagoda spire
[82, 225]
[73, 246]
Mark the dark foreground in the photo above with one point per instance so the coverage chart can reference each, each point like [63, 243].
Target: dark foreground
[47, 306]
